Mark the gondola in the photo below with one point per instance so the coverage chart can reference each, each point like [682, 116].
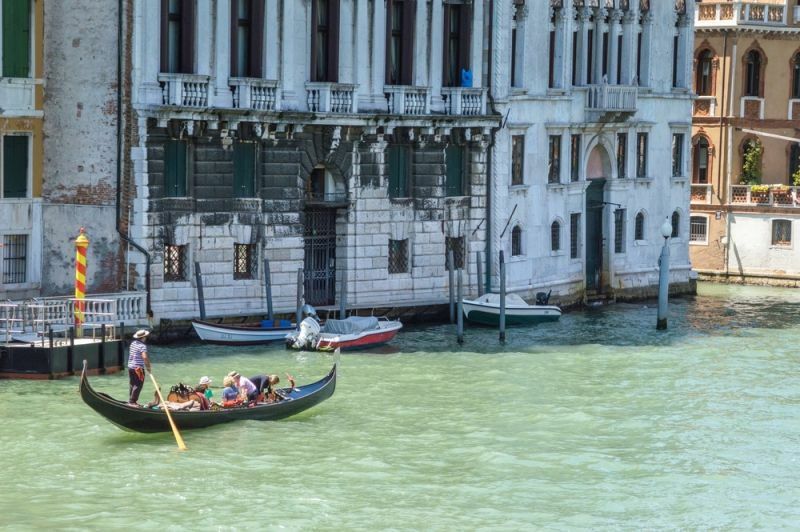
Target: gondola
[137, 419]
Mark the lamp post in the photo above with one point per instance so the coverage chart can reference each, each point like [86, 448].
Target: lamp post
[663, 277]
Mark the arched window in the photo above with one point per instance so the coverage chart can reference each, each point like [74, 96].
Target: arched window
[752, 72]
[796, 76]
[516, 241]
[700, 158]
[555, 236]
[703, 83]
[676, 224]
[638, 228]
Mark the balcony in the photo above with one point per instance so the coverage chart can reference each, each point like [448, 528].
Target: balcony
[254, 93]
[326, 97]
[465, 101]
[185, 90]
[773, 196]
[701, 193]
[716, 14]
[407, 100]
[611, 101]
[705, 106]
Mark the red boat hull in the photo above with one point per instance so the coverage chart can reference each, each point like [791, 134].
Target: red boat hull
[364, 342]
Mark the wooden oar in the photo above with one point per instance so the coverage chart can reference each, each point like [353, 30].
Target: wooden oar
[178, 438]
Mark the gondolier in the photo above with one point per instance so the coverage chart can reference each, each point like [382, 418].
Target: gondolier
[138, 361]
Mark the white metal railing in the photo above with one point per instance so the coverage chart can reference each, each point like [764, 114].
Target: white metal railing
[465, 101]
[701, 193]
[611, 98]
[782, 196]
[129, 307]
[255, 93]
[408, 100]
[11, 321]
[327, 97]
[727, 13]
[185, 90]
[705, 106]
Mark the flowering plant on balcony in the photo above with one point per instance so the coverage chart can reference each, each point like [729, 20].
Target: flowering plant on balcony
[779, 188]
[796, 178]
[759, 189]
[751, 165]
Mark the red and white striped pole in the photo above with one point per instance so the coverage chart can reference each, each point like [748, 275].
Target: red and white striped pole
[81, 244]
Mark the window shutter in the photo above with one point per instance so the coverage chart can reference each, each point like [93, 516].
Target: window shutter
[409, 11]
[454, 176]
[257, 14]
[175, 169]
[466, 39]
[333, 41]
[445, 48]
[244, 162]
[164, 35]
[15, 166]
[187, 36]
[388, 59]
[16, 38]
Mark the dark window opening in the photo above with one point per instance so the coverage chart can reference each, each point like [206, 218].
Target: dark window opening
[677, 155]
[590, 59]
[247, 36]
[675, 42]
[638, 229]
[796, 77]
[175, 263]
[622, 155]
[619, 231]
[575, 158]
[457, 19]
[325, 40]
[400, 41]
[676, 224]
[641, 155]
[554, 159]
[456, 245]
[781, 232]
[245, 263]
[15, 259]
[698, 229]
[700, 162]
[555, 236]
[551, 72]
[398, 256]
[517, 159]
[516, 241]
[574, 234]
[177, 36]
[703, 82]
[753, 74]
[15, 169]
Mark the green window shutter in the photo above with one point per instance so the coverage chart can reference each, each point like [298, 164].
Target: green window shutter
[175, 168]
[244, 162]
[454, 177]
[16, 38]
[397, 160]
[15, 166]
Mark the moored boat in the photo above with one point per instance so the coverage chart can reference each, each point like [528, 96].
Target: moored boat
[486, 311]
[265, 332]
[349, 334]
[138, 419]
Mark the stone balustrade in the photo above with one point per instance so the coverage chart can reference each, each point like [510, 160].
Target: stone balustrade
[727, 13]
[254, 93]
[408, 100]
[326, 97]
[185, 90]
[611, 98]
[466, 101]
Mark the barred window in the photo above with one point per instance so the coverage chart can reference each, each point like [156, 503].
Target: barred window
[677, 155]
[676, 224]
[455, 243]
[622, 155]
[398, 256]
[638, 231]
[555, 236]
[698, 229]
[554, 161]
[781, 232]
[619, 231]
[175, 263]
[245, 261]
[15, 259]
[575, 158]
[517, 159]
[574, 234]
[641, 155]
[516, 241]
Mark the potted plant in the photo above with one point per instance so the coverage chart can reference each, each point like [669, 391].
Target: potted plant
[781, 194]
[796, 178]
[759, 193]
[751, 166]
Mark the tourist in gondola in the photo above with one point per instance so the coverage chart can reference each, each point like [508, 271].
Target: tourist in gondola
[138, 361]
[230, 395]
[245, 386]
[266, 386]
[204, 388]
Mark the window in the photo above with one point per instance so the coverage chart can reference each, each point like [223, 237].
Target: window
[175, 263]
[398, 160]
[639, 39]
[781, 232]
[703, 83]
[575, 58]
[555, 236]
[551, 63]
[177, 36]
[455, 159]
[517, 48]
[796, 76]
[325, 40]
[15, 170]
[16, 54]
[619, 231]
[15, 258]
[604, 59]
[244, 169]
[399, 41]
[638, 227]
[245, 261]
[398, 256]
[574, 234]
[175, 168]
[575, 158]
[641, 155]
[247, 38]
[752, 71]
[457, 19]
[554, 160]
[517, 159]
[622, 155]
[590, 58]
[700, 173]
[675, 41]
[516, 241]
[794, 161]
[456, 244]
[676, 224]
[677, 154]
[698, 229]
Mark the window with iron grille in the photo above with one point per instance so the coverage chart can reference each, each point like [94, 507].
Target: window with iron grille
[245, 261]
[619, 231]
[676, 224]
[398, 256]
[15, 259]
[575, 158]
[175, 263]
[456, 244]
[638, 230]
[677, 154]
[698, 229]
[517, 159]
[574, 234]
[516, 241]
[641, 155]
[622, 155]
[781, 232]
[555, 236]
[554, 159]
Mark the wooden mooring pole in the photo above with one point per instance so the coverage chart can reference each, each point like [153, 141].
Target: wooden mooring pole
[480, 273]
[198, 276]
[460, 310]
[343, 297]
[450, 287]
[502, 298]
[299, 315]
[268, 289]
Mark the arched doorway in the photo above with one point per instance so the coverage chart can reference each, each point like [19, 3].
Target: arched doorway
[598, 168]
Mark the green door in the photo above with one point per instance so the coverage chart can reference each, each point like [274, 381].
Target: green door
[594, 234]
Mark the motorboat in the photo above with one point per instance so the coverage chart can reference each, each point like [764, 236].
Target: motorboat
[351, 333]
[486, 310]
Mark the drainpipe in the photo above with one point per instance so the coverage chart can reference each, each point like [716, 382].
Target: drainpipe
[120, 35]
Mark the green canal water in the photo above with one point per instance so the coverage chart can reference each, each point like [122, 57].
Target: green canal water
[594, 422]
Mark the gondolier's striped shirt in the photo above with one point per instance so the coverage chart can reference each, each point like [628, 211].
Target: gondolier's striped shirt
[135, 359]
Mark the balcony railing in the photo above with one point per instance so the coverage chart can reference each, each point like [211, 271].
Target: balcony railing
[325, 97]
[734, 13]
[185, 90]
[701, 193]
[611, 98]
[464, 100]
[256, 94]
[773, 197]
[408, 100]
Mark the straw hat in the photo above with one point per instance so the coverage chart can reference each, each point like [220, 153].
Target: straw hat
[141, 333]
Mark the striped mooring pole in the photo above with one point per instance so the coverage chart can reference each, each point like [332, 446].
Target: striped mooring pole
[81, 243]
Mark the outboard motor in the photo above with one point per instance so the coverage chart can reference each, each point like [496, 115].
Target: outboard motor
[308, 335]
[542, 298]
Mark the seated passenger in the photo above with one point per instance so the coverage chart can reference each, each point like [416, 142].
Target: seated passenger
[204, 387]
[245, 386]
[230, 395]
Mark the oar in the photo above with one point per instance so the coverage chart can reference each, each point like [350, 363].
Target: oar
[178, 438]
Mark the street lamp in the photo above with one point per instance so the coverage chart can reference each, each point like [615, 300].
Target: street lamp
[663, 276]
